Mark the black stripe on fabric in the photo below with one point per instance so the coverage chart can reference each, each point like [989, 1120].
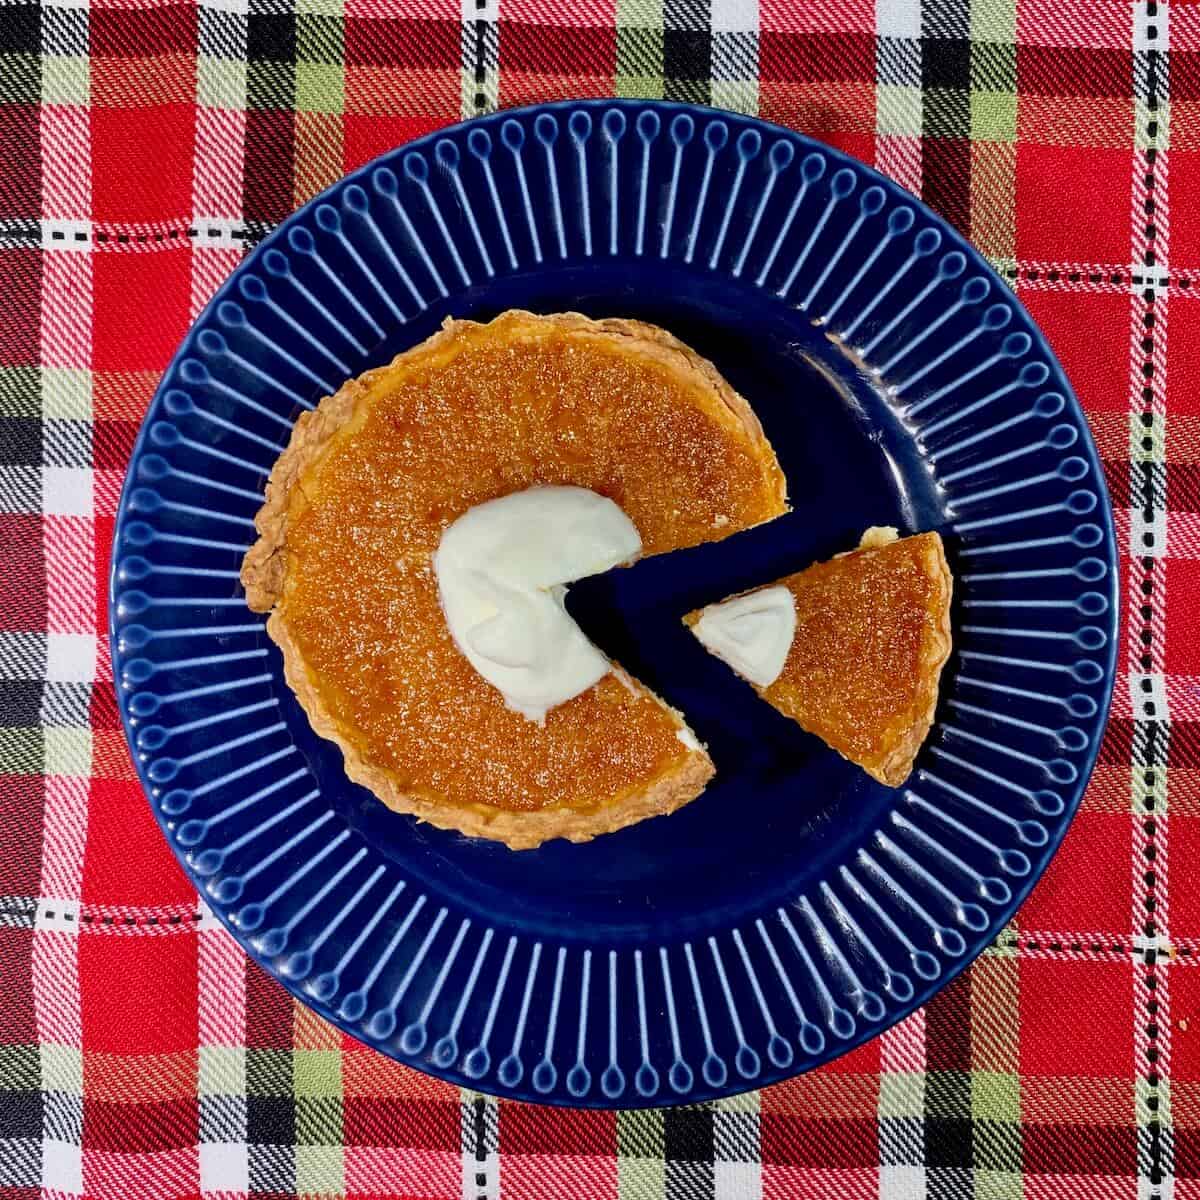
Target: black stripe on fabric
[271, 1120]
[21, 1165]
[1153, 736]
[20, 489]
[269, 176]
[688, 1135]
[272, 1169]
[687, 50]
[946, 109]
[221, 34]
[687, 15]
[901, 1141]
[479, 1129]
[64, 32]
[687, 54]
[20, 441]
[949, 1183]
[481, 24]
[271, 37]
[946, 63]
[63, 1117]
[222, 1118]
[20, 1115]
[946, 18]
[66, 705]
[949, 1141]
[17, 233]
[18, 912]
[24, 656]
[689, 1180]
[67, 443]
[898, 62]
[20, 703]
[20, 29]
[1153, 492]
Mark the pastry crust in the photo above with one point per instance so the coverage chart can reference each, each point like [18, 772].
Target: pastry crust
[893, 765]
[896, 766]
[263, 569]
[264, 577]
[517, 830]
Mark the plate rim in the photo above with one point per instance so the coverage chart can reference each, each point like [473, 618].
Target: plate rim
[978, 943]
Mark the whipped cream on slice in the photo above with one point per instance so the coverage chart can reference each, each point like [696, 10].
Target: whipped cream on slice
[502, 570]
[752, 633]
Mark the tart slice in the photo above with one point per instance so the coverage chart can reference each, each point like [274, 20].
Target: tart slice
[850, 649]
[347, 564]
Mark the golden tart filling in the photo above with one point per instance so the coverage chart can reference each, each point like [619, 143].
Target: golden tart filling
[360, 500]
[869, 633]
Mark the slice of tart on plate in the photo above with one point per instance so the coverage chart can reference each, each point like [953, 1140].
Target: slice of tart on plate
[384, 618]
[851, 649]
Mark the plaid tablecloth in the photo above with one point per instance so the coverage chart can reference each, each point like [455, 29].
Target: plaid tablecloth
[143, 146]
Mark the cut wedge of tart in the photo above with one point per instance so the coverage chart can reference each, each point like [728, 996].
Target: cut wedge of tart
[357, 507]
[851, 649]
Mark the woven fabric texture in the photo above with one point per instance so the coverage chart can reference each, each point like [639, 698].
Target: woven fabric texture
[143, 146]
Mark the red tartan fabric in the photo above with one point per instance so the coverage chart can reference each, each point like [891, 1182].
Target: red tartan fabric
[143, 146]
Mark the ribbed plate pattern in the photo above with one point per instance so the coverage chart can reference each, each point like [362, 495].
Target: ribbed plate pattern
[456, 222]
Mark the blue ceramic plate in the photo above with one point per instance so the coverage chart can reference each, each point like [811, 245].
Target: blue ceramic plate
[797, 908]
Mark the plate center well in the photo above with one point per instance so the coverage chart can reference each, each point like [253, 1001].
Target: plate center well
[782, 806]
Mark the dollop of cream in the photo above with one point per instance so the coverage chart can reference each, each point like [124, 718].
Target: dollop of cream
[752, 633]
[876, 536]
[502, 570]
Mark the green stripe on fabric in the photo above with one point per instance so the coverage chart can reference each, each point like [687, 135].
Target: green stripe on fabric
[995, 1097]
[994, 109]
[994, 116]
[317, 1073]
[995, 1079]
[1162, 1093]
[319, 1171]
[318, 1087]
[20, 79]
[23, 752]
[61, 1068]
[1160, 117]
[20, 1071]
[641, 1170]
[1005, 943]
[994, 67]
[221, 1071]
[320, 56]
[319, 31]
[270, 84]
[20, 392]
[68, 751]
[65, 79]
[993, 21]
[1148, 443]
[901, 1094]
[268, 1072]
[220, 82]
[639, 68]
[898, 110]
[998, 1185]
[320, 87]
[736, 95]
